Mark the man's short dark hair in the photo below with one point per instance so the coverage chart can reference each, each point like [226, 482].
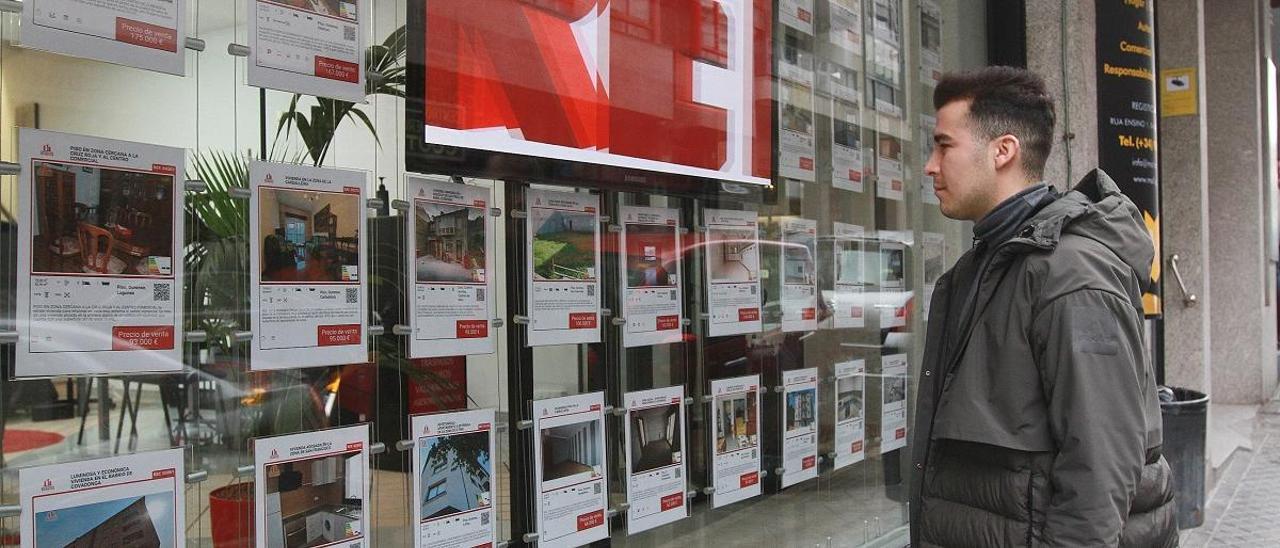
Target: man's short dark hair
[1005, 101]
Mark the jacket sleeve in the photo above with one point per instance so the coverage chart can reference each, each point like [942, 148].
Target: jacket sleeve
[1091, 361]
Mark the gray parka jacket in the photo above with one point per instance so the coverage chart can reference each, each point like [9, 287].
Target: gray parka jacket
[1039, 428]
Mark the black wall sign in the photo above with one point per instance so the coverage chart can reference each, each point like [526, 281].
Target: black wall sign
[1127, 113]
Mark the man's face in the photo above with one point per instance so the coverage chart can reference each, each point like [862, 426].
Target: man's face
[962, 165]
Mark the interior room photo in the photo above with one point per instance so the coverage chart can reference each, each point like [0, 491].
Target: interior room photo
[570, 450]
[655, 438]
[732, 256]
[314, 502]
[91, 220]
[737, 428]
[309, 236]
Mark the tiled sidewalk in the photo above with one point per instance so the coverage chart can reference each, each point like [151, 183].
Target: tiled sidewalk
[1244, 510]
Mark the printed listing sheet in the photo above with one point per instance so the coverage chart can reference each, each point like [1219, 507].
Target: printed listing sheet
[454, 479]
[889, 178]
[451, 304]
[893, 411]
[799, 426]
[314, 486]
[796, 131]
[564, 267]
[797, 14]
[652, 293]
[733, 271]
[735, 439]
[145, 34]
[850, 277]
[569, 465]
[850, 412]
[99, 256]
[799, 274]
[311, 47]
[656, 464]
[307, 266]
[95, 502]
[846, 146]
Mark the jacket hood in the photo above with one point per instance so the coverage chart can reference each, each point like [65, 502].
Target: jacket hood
[1096, 209]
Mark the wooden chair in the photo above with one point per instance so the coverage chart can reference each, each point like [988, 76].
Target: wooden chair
[96, 245]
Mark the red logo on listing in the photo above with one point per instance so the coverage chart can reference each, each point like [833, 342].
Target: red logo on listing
[804, 15]
[747, 480]
[355, 446]
[472, 329]
[477, 203]
[808, 314]
[46, 150]
[142, 337]
[748, 314]
[901, 312]
[582, 320]
[338, 335]
[855, 176]
[275, 454]
[164, 169]
[269, 179]
[856, 312]
[897, 185]
[48, 485]
[899, 433]
[483, 426]
[855, 446]
[671, 501]
[808, 462]
[806, 164]
[668, 322]
[593, 519]
[350, 190]
[166, 473]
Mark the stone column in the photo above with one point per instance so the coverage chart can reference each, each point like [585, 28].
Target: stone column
[1184, 201]
[1066, 61]
[1242, 292]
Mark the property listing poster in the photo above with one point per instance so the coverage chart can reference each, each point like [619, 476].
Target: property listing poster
[453, 479]
[652, 295]
[564, 266]
[100, 236]
[452, 300]
[846, 25]
[893, 403]
[934, 261]
[735, 443]
[850, 411]
[307, 260]
[145, 34]
[799, 274]
[797, 14]
[312, 47]
[569, 469]
[846, 145]
[927, 125]
[795, 114]
[885, 60]
[800, 426]
[930, 42]
[892, 279]
[318, 481]
[889, 177]
[850, 279]
[88, 503]
[656, 467]
[733, 271]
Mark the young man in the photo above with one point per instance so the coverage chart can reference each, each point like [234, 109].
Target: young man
[1037, 422]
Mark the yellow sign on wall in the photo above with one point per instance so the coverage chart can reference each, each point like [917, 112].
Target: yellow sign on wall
[1178, 92]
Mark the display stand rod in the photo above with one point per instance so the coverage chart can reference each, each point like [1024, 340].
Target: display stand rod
[198, 476]
[10, 6]
[10, 511]
[9, 168]
[9, 337]
[244, 471]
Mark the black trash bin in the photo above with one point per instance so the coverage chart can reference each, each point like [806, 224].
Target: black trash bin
[1184, 437]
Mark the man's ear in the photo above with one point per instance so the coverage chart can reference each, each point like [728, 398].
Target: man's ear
[1007, 149]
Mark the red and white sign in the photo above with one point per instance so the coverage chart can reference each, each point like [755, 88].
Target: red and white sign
[588, 87]
[893, 397]
[799, 274]
[99, 285]
[312, 48]
[850, 275]
[563, 249]
[446, 520]
[850, 412]
[732, 250]
[651, 284]
[334, 462]
[570, 466]
[799, 426]
[147, 34]
[451, 237]
[655, 428]
[735, 439]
